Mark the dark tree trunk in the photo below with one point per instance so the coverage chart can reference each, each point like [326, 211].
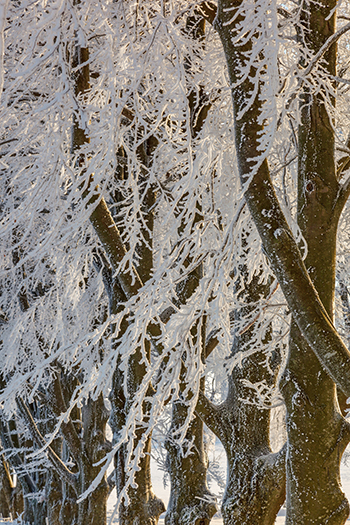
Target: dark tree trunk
[317, 434]
[255, 488]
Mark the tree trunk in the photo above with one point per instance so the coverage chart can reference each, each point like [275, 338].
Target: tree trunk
[144, 506]
[317, 434]
[255, 488]
[93, 510]
[191, 501]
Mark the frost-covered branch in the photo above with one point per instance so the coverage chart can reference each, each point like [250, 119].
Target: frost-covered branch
[57, 463]
[109, 235]
[277, 239]
[331, 40]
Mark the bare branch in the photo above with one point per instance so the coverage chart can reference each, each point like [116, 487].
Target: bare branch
[283, 12]
[214, 416]
[208, 10]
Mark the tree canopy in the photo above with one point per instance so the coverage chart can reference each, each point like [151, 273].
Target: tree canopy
[174, 235]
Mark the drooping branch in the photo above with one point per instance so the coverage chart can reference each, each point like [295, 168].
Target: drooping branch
[57, 463]
[333, 39]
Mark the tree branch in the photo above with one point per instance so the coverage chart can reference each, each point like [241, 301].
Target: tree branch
[284, 12]
[331, 40]
[57, 404]
[208, 11]
[211, 342]
[109, 235]
[215, 417]
[344, 193]
[57, 463]
[306, 71]
[288, 266]
[277, 239]
[28, 485]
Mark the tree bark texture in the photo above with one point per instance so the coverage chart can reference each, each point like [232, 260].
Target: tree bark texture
[276, 236]
[191, 501]
[317, 434]
[255, 488]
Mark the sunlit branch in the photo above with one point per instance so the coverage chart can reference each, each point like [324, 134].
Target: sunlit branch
[331, 40]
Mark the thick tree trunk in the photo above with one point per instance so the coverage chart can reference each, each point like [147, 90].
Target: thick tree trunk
[93, 510]
[276, 236]
[191, 501]
[317, 434]
[255, 487]
[144, 506]
[317, 437]
[69, 508]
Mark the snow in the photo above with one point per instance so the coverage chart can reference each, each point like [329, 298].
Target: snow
[163, 492]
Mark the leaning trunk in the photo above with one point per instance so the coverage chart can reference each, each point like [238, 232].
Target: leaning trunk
[316, 431]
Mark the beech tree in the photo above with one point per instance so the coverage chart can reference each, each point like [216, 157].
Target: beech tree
[156, 203]
[318, 360]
